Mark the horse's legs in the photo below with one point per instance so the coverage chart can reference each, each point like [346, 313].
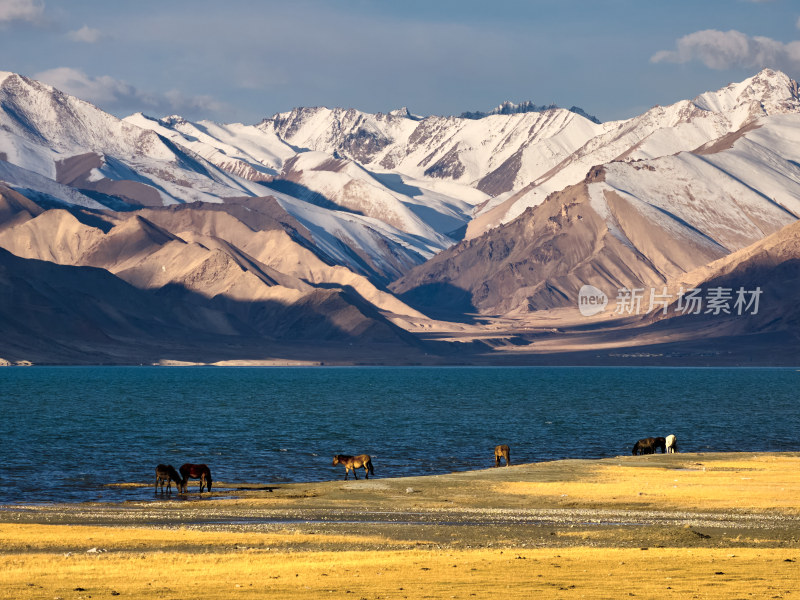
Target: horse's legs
[354, 472]
[366, 472]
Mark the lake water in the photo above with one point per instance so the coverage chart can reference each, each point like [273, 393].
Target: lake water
[66, 432]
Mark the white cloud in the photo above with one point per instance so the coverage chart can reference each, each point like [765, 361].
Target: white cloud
[21, 10]
[730, 49]
[103, 90]
[115, 95]
[85, 34]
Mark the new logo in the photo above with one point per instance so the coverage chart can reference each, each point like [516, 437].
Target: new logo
[591, 301]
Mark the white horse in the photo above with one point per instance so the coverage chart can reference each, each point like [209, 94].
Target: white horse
[672, 443]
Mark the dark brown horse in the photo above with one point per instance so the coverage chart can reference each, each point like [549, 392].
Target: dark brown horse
[351, 463]
[167, 474]
[201, 472]
[502, 451]
[649, 445]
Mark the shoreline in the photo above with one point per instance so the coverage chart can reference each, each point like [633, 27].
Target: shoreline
[726, 522]
[703, 482]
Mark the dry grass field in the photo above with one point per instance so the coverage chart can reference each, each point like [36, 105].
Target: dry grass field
[765, 481]
[663, 541]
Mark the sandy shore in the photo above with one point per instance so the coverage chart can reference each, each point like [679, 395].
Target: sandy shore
[688, 525]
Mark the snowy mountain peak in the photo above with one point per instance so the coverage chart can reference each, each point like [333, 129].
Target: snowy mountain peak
[513, 108]
[766, 93]
[402, 112]
[40, 116]
[173, 121]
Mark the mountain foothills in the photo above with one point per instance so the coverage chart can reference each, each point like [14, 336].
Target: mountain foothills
[337, 236]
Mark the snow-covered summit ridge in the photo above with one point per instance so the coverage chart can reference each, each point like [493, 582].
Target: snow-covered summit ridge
[513, 108]
[661, 131]
[43, 115]
[768, 92]
[495, 154]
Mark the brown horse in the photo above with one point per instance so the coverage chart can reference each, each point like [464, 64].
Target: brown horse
[167, 474]
[504, 452]
[649, 445]
[351, 463]
[201, 472]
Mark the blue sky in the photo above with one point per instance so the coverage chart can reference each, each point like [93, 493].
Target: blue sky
[242, 60]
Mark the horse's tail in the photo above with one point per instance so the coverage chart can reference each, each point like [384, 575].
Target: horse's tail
[635, 448]
[369, 466]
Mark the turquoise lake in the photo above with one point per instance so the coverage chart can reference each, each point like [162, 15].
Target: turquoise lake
[66, 432]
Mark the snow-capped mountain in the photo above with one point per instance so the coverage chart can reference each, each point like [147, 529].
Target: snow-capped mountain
[495, 154]
[43, 128]
[243, 150]
[661, 131]
[65, 150]
[313, 215]
[632, 223]
[511, 108]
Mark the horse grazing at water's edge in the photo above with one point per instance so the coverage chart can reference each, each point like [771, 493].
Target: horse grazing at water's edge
[351, 463]
[649, 445]
[504, 452]
[201, 472]
[167, 474]
[672, 443]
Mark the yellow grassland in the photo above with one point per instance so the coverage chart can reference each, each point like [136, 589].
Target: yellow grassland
[219, 573]
[762, 482]
[53, 561]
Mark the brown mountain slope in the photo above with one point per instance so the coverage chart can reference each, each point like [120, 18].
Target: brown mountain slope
[771, 266]
[202, 286]
[67, 314]
[15, 208]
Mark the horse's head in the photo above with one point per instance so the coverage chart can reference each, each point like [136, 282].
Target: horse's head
[336, 460]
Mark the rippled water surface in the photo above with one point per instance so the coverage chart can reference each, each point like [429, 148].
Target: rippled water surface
[66, 432]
